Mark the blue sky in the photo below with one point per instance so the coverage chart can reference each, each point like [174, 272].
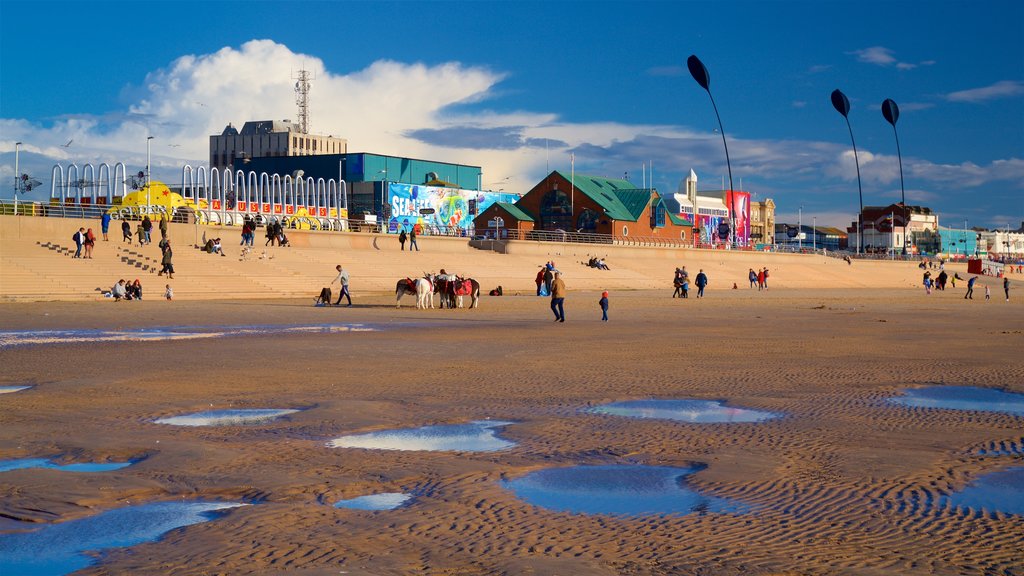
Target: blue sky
[516, 87]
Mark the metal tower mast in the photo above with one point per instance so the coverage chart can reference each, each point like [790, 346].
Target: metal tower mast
[302, 99]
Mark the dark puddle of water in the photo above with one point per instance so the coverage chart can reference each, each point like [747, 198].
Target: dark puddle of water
[476, 436]
[962, 398]
[235, 417]
[621, 490]
[12, 389]
[684, 410]
[23, 463]
[383, 501]
[1001, 492]
[162, 333]
[58, 548]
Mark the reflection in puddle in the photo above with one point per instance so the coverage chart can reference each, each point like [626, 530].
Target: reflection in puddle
[476, 436]
[23, 337]
[696, 411]
[962, 398]
[23, 463]
[1001, 491]
[619, 490]
[227, 417]
[385, 501]
[10, 389]
[58, 548]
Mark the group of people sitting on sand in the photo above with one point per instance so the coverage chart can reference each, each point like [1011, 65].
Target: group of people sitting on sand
[125, 290]
[598, 263]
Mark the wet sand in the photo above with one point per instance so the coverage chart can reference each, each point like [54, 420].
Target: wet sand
[840, 485]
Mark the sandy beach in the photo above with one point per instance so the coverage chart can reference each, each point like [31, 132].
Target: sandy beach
[838, 485]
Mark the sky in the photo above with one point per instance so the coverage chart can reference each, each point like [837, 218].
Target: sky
[520, 88]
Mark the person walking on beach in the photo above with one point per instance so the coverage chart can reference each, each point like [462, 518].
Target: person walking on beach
[540, 279]
[753, 279]
[90, 242]
[141, 233]
[126, 231]
[702, 281]
[558, 297]
[970, 288]
[401, 239]
[1006, 287]
[603, 302]
[147, 227]
[342, 279]
[169, 292]
[166, 261]
[79, 238]
[412, 239]
[988, 293]
[105, 225]
[548, 277]
[765, 278]
[760, 279]
[677, 283]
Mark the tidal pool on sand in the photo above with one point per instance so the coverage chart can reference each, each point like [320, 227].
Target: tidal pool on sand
[684, 410]
[384, 501]
[26, 337]
[12, 389]
[622, 490]
[1001, 491]
[23, 463]
[58, 548]
[476, 436]
[227, 417]
[962, 398]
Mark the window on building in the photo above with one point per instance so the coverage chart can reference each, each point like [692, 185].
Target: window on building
[658, 215]
[555, 211]
[587, 221]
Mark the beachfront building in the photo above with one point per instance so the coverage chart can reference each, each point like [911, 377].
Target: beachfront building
[711, 209]
[896, 227]
[958, 243]
[500, 218]
[762, 222]
[268, 138]
[1004, 243]
[596, 205]
[797, 236]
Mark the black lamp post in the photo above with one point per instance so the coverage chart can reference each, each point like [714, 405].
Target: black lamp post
[842, 105]
[700, 74]
[892, 113]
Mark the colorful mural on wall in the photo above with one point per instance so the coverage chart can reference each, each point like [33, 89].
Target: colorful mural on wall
[447, 209]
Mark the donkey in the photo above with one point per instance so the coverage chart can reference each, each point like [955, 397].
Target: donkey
[421, 288]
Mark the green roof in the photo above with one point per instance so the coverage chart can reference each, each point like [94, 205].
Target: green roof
[620, 199]
[514, 211]
[678, 220]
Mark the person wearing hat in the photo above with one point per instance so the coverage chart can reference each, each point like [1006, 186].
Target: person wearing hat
[604, 306]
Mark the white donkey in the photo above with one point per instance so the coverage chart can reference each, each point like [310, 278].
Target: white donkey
[422, 288]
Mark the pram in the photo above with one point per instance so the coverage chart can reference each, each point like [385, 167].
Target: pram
[324, 299]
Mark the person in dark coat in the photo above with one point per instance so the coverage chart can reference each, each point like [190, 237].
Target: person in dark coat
[702, 281]
[166, 261]
[401, 239]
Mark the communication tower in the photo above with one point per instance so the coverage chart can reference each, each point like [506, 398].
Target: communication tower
[302, 98]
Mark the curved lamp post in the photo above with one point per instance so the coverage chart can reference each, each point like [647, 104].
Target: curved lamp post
[842, 105]
[892, 113]
[700, 74]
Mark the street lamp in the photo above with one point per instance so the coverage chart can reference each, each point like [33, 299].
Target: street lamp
[17, 177]
[149, 172]
[842, 105]
[383, 191]
[700, 74]
[800, 229]
[892, 113]
[814, 233]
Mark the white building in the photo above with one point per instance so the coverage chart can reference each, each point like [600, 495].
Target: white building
[268, 138]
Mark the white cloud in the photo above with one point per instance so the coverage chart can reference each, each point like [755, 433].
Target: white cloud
[1002, 89]
[882, 56]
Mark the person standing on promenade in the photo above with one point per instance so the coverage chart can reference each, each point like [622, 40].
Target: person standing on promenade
[163, 226]
[79, 238]
[90, 241]
[126, 231]
[342, 279]
[401, 239]
[970, 288]
[702, 281]
[167, 261]
[105, 225]
[412, 239]
[1006, 287]
[147, 227]
[604, 306]
[558, 297]
[141, 233]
